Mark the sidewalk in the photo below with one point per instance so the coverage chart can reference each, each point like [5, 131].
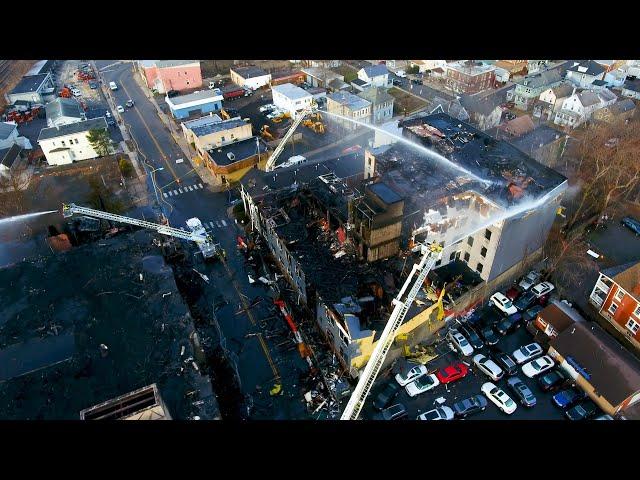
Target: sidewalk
[202, 171]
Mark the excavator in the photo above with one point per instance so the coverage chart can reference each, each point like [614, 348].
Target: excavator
[224, 114]
[266, 134]
[282, 117]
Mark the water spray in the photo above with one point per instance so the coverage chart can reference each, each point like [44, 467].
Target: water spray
[25, 217]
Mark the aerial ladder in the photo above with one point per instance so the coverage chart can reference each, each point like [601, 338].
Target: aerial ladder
[430, 254]
[196, 232]
[270, 166]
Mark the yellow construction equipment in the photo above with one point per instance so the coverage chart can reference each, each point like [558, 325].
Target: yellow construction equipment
[318, 127]
[307, 122]
[266, 134]
[224, 114]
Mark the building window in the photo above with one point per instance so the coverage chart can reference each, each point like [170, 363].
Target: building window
[470, 241]
[466, 256]
[636, 312]
[452, 256]
[633, 326]
[619, 294]
[63, 144]
[487, 234]
[222, 139]
[483, 252]
[479, 268]
[76, 141]
[438, 262]
[612, 308]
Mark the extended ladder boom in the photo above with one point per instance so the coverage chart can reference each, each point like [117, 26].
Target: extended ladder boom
[276, 153]
[69, 209]
[371, 370]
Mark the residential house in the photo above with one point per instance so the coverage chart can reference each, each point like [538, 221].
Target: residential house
[42, 66]
[450, 107]
[381, 104]
[633, 68]
[69, 143]
[10, 158]
[321, 77]
[251, 77]
[428, 65]
[376, 76]
[631, 88]
[196, 103]
[535, 66]
[35, 88]
[529, 88]
[544, 143]
[166, 75]
[582, 74]
[608, 373]
[351, 106]
[290, 98]
[551, 100]
[517, 127]
[598, 85]
[322, 63]
[9, 136]
[484, 110]
[615, 78]
[62, 111]
[469, 77]
[616, 295]
[579, 107]
[359, 85]
[555, 318]
[620, 111]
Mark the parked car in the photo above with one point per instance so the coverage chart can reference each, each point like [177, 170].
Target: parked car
[513, 293]
[452, 372]
[499, 398]
[267, 107]
[489, 335]
[524, 393]
[529, 280]
[129, 103]
[568, 397]
[422, 384]
[529, 299]
[502, 303]
[532, 313]
[552, 380]
[460, 343]
[537, 366]
[440, 413]
[107, 114]
[509, 324]
[632, 224]
[394, 412]
[471, 335]
[488, 367]
[397, 83]
[542, 289]
[470, 406]
[120, 109]
[527, 352]
[606, 416]
[413, 374]
[505, 362]
[482, 316]
[401, 74]
[387, 395]
[111, 122]
[582, 411]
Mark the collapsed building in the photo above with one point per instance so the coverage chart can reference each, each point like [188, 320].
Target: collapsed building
[342, 230]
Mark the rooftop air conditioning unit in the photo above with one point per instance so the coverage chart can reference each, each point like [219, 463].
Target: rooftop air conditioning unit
[231, 156]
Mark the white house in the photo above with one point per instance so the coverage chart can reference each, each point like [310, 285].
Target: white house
[550, 101]
[250, 77]
[376, 76]
[69, 143]
[290, 98]
[579, 107]
[582, 74]
[63, 111]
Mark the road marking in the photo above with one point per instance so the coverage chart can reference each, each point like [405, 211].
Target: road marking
[155, 141]
[165, 195]
[218, 224]
[180, 190]
[175, 192]
[200, 185]
[224, 223]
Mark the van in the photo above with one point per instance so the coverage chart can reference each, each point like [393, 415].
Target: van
[296, 160]
[113, 86]
[75, 92]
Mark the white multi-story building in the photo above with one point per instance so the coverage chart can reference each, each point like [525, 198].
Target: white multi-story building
[290, 98]
[579, 107]
[69, 143]
[376, 76]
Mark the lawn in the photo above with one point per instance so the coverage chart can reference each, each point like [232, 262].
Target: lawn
[347, 71]
[405, 102]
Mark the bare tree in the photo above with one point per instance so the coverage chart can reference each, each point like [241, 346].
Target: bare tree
[14, 186]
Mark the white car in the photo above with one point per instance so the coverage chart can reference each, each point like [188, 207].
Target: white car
[422, 384]
[527, 352]
[267, 107]
[401, 74]
[537, 366]
[461, 343]
[542, 289]
[440, 413]
[530, 280]
[503, 303]
[499, 397]
[120, 109]
[488, 367]
[274, 114]
[413, 374]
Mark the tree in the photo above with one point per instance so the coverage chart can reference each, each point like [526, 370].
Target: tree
[607, 167]
[126, 168]
[413, 69]
[100, 141]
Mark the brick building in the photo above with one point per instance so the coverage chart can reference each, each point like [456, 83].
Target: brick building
[470, 77]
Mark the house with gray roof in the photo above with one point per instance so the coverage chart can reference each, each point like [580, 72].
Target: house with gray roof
[620, 111]
[376, 75]
[381, 104]
[322, 77]
[579, 107]
[8, 134]
[69, 143]
[450, 107]
[34, 88]
[62, 111]
[543, 143]
[631, 88]
[350, 106]
[10, 158]
[583, 74]
[529, 88]
[551, 100]
[484, 110]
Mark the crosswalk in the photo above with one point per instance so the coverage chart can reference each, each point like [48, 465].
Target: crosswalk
[180, 190]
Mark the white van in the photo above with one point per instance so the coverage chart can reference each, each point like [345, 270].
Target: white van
[113, 86]
[295, 160]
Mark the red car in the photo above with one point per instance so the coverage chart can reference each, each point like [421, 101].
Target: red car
[452, 373]
[513, 293]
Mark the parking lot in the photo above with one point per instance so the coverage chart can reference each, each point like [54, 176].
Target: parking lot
[470, 385]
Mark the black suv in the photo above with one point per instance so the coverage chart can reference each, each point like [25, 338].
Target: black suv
[387, 395]
[509, 324]
[394, 412]
[471, 335]
[552, 380]
[489, 335]
[505, 362]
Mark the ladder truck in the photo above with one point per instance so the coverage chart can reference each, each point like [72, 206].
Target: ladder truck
[196, 233]
[271, 163]
[430, 254]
